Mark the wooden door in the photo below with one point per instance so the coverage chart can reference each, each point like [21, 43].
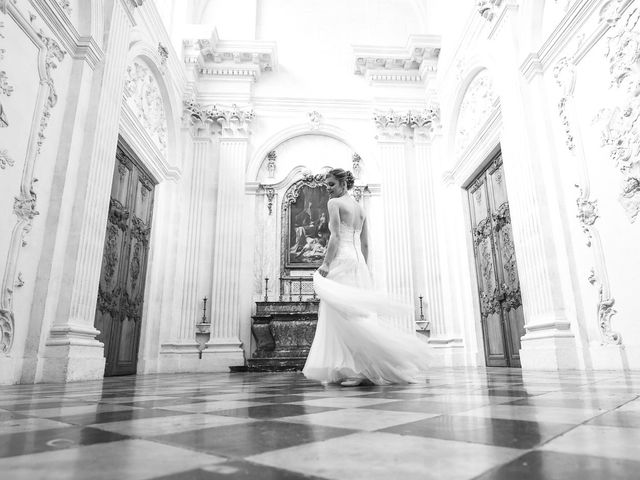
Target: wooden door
[124, 264]
[496, 268]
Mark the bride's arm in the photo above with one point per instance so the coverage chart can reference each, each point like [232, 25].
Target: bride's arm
[364, 241]
[334, 229]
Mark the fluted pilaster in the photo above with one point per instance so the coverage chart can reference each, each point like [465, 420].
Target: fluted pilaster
[429, 227]
[392, 135]
[191, 293]
[230, 224]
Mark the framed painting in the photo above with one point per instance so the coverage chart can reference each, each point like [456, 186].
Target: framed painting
[305, 223]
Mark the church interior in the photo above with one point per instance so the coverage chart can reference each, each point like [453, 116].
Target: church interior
[163, 202]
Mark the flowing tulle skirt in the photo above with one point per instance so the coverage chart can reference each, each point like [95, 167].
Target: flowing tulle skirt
[351, 340]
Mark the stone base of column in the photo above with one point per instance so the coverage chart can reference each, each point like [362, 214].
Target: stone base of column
[219, 356]
[72, 354]
[549, 350]
[448, 352]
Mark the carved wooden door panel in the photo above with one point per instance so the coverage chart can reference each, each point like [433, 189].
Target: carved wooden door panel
[124, 264]
[496, 268]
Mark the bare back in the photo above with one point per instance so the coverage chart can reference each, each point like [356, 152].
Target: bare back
[351, 213]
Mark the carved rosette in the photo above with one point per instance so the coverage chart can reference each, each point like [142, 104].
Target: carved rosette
[143, 96]
[272, 157]
[605, 311]
[621, 132]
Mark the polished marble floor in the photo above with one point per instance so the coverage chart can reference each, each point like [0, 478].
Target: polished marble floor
[462, 424]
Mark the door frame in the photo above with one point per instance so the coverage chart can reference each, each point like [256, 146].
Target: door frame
[139, 163]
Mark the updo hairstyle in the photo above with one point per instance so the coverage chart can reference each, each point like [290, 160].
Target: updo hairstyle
[342, 176]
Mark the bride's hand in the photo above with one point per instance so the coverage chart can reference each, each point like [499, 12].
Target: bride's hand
[323, 270]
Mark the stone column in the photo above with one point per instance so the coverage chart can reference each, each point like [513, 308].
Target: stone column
[71, 350]
[228, 235]
[392, 134]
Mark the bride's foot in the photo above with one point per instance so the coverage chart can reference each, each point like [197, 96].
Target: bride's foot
[354, 382]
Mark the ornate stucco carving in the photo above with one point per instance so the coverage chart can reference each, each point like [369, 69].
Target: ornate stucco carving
[621, 131]
[164, 53]
[135, 3]
[314, 120]
[272, 158]
[488, 8]
[5, 159]
[478, 103]
[587, 208]
[143, 96]
[5, 87]
[49, 54]
[65, 5]
[356, 165]
[270, 194]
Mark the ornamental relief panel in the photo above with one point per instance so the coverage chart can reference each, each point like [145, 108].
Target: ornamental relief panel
[143, 96]
[478, 103]
[35, 56]
[621, 130]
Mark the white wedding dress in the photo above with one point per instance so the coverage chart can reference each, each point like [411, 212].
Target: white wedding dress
[351, 341]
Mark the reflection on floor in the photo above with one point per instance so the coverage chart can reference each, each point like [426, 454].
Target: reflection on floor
[456, 424]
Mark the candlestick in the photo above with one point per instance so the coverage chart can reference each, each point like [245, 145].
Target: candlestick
[204, 310]
[421, 311]
[266, 289]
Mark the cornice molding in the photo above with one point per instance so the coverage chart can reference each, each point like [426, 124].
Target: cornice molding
[78, 46]
[567, 31]
[408, 64]
[213, 57]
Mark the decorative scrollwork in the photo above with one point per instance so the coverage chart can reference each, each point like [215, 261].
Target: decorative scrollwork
[309, 180]
[270, 193]
[482, 231]
[118, 214]
[140, 231]
[134, 267]
[621, 132]
[5, 159]
[111, 253]
[605, 312]
[6, 330]
[356, 160]
[587, 214]
[272, 157]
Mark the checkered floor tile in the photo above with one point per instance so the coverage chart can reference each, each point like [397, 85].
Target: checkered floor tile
[456, 424]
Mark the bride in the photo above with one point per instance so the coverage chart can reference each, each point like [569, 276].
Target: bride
[352, 345]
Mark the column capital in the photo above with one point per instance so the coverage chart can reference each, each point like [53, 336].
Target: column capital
[229, 122]
[392, 126]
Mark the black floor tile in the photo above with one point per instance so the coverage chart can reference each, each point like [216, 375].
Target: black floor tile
[276, 410]
[490, 431]
[118, 416]
[428, 406]
[25, 443]
[251, 438]
[238, 470]
[543, 465]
